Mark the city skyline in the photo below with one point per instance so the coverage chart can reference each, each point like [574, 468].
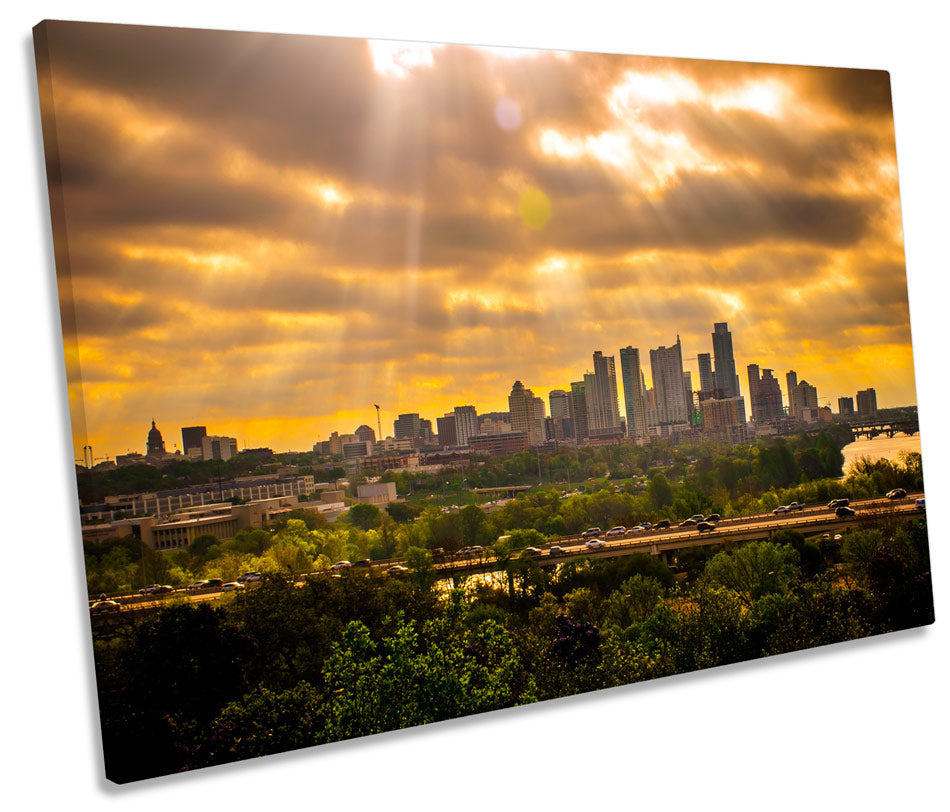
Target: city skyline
[255, 249]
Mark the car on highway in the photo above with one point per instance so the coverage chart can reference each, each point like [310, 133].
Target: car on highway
[534, 552]
[197, 585]
[919, 503]
[619, 530]
[595, 544]
[248, 577]
[645, 525]
[713, 517]
[698, 517]
[836, 503]
[232, 586]
[215, 583]
[591, 532]
[844, 511]
[638, 528]
[104, 605]
[795, 506]
[663, 524]
[687, 523]
[897, 493]
[781, 509]
[703, 527]
[365, 562]
[397, 570]
[557, 551]
[156, 589]
[340, 565]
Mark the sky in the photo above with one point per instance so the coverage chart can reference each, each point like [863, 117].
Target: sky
[268, 234]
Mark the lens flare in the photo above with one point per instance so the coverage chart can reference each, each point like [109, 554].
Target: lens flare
[534, 208]
[508, 114]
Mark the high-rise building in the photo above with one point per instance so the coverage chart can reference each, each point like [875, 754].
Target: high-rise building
[559, 403]
[603, 410]
[365, 434]
[525, 413]
[803, 402]
[867, 402]
[666, 364]
[446, 428]
[407, 427]
[706, 381]
[791, 381]
[191, 437]
[765, 395]
[724, 419]
[633, 395]
[579, 410]
[466, 424]
[220, 448]
[725, 372]
[846, 407]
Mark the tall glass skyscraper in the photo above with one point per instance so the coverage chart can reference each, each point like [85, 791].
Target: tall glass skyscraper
[633, 395]
[726, 378]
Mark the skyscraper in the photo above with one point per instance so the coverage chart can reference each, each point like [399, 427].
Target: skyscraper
[579, 410]
[765, 395]
[446, 428]
[633, 395]
[191, 437]
[603, 411]
[666, 364]
[706, 381]
[725, 372]
[846, 407]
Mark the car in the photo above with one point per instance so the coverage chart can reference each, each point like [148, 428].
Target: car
[595, 544]
[637, 529]
[897, 493]
[103, 606]
[698, 517]
[438, 553]
[687, 523]
[397, 569]
[591, 532]
[795, 506]
[713, 517]
[836, 503]
[663, 524]
[619, 530]
[216, 583]
[197, 585]
[556, 551]
[248, 577]
[232, 586]
[534, 552]
[340, 565]
[477, 549]
[156, 589]
[838, 537]
[363, 563]
[919, 503]
[826, 537]
[645, 525]
[702, 527]
[844, 511]
[781, 509]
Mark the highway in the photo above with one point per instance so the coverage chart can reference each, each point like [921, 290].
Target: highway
[812, 520]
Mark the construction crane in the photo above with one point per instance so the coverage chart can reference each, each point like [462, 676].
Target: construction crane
[379, 424]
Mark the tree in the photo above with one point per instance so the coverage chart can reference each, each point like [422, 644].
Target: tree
[366, 517]
[419, 561]
[660, 492]
[753, 570]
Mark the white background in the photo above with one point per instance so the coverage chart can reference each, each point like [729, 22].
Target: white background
[862, 724]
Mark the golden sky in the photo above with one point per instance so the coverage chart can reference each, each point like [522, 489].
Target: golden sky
[268, 234]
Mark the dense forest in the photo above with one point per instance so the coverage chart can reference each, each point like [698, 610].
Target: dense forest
[283, 666]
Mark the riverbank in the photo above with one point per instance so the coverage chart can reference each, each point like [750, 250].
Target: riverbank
[881, 447]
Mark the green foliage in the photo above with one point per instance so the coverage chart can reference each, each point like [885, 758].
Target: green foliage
[755, 569]
[366, 517]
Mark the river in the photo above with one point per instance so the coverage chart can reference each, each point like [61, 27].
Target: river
[881, 446]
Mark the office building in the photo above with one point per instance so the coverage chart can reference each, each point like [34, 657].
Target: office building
[846, 407]
[765, 395]
[526, 416]
[666, 364]
[600, 389]
[725, 372]
[578, 404]
[191, 438]
[220, 448]
[466, 424]
[724, 420]
[634, 397]
[706, 381]
[446, 429]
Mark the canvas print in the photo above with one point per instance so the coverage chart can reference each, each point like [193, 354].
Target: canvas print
[412, 381]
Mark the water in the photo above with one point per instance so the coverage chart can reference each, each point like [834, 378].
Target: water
[880, 447]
